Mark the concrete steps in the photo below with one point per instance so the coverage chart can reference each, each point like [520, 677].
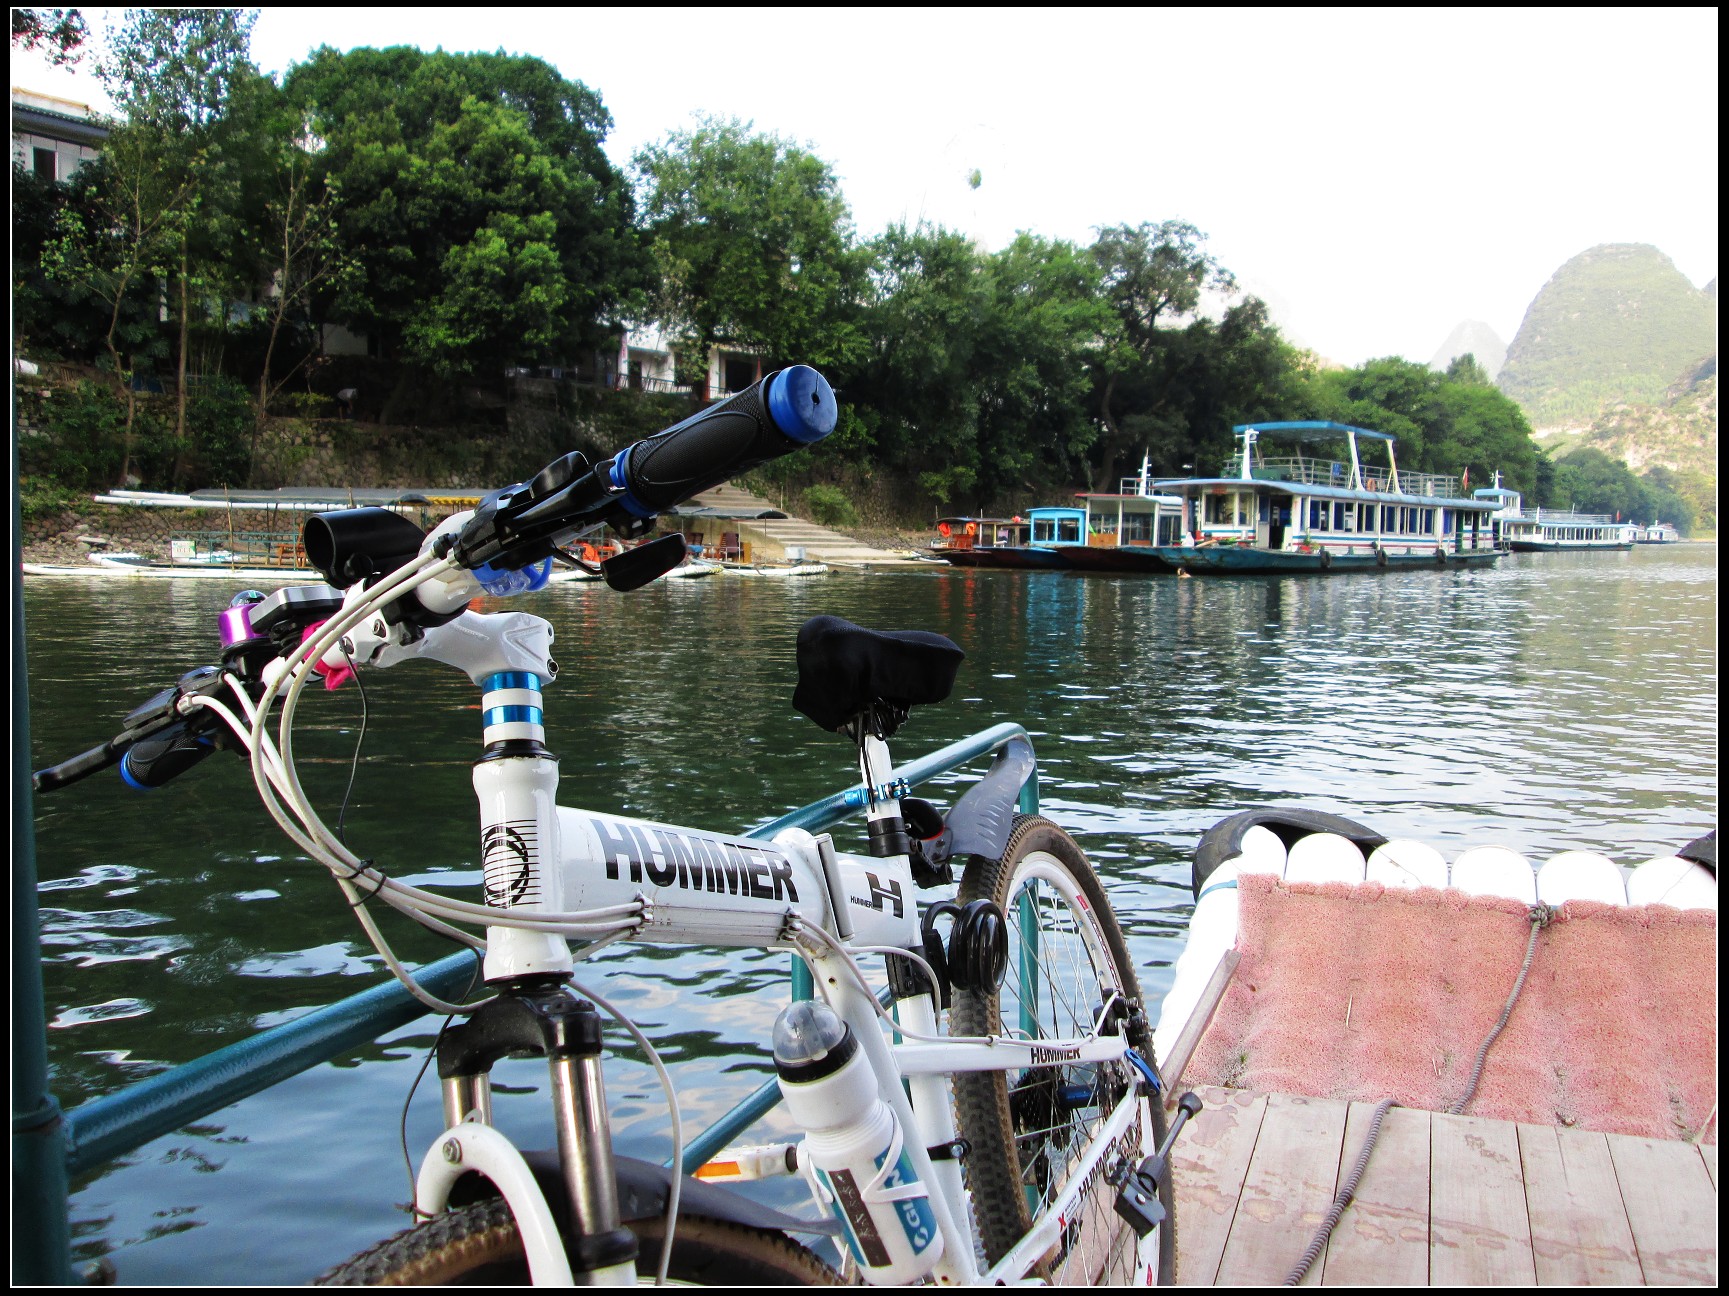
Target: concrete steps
[770, 539]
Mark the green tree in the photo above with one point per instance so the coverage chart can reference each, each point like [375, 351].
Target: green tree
[1151, 274]
[930, 294]
[172, 73]
[59, 32]
[1591, 482]
[487, 226]
[752, 244]
[1039, 342]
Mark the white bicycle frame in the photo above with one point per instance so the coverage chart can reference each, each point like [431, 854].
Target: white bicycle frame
[694, 887]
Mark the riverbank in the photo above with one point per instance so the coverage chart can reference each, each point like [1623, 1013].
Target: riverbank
[67, 537]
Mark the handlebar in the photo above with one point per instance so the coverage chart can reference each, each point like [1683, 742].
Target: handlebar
[782, 412]
[513, 529]
[157, 743]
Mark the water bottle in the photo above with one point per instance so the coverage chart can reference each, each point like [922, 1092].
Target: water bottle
[853, 1146]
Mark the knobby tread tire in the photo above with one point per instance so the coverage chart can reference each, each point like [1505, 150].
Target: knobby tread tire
[982, 1105]
[478, 1245]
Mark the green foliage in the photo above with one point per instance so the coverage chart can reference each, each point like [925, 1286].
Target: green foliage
[59, 32]
[40, 497]
[829, 506]
[487, 226]
[1616, 324]
[219, 424]
[81, 441]
[752, 245]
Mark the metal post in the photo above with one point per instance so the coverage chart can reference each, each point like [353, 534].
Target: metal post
[41, 1235]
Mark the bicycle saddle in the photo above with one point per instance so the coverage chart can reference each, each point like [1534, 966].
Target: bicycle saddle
[845, 671]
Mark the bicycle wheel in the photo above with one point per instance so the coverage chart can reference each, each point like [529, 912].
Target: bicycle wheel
[1029, 1130]
[478, 1246]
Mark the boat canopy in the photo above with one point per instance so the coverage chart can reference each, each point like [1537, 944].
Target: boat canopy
[1313, 425]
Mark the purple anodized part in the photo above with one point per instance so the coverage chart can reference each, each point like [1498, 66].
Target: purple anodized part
[236, 625]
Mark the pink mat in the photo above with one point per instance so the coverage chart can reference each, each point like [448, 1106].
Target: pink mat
[1616, 1029]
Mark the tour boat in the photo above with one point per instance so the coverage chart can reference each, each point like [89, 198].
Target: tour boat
[1317, 512]
[1553, 530]
[1658, 533]
[1506, 1066]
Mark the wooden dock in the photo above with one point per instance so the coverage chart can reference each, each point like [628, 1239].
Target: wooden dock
[1446, 1201]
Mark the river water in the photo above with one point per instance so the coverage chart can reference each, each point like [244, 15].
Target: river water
[1558, 701]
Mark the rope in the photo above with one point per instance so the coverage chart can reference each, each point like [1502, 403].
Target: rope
[1540, 915]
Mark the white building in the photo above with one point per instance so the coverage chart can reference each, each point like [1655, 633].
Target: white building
[53, 137]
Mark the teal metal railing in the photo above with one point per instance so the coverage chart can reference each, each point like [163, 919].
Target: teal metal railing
[117, 1123]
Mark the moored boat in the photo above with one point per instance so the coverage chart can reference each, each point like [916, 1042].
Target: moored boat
[1125, 529]
[1496, 1070]
[1315, 513]
[990, 542]
[1658, 533]
[1553, 530]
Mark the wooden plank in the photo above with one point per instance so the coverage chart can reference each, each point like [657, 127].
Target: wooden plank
[1171, 1074]
[1208, 1166]
[1382, 1240]
[1671, 1206]
[1579, 1231]
[1479, 1233]
[1287, 1191]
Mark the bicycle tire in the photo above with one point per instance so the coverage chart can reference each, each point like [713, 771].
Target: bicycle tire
[478, 1246]
[1023, 1135]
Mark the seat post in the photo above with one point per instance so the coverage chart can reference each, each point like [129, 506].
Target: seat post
[888, 831]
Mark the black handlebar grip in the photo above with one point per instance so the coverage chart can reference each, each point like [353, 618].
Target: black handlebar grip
[80, 766]
[152, 761]
[785, 411]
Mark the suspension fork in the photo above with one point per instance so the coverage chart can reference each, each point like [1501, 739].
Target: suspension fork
[543, 1018]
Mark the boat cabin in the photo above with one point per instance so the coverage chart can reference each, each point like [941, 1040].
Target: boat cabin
[1132, 516]
[961, 533]
[1323, 497]
[1057, 526]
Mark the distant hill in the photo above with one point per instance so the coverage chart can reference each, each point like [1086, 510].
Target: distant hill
[1476, 338]
[1618, 325]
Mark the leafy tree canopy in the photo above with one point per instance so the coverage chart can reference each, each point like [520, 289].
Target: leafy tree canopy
[753, 244]
[61, 33]
[488, 227]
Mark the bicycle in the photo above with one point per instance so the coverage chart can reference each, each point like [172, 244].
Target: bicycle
[1027, 1140]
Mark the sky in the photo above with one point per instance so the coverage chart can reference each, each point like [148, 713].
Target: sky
[1378, 176]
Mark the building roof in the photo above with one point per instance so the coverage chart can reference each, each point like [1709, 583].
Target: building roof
[70, 128]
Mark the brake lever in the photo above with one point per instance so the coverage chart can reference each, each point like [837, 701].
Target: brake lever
[635, 568]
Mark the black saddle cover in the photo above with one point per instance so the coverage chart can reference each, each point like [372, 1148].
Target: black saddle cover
[843, 669]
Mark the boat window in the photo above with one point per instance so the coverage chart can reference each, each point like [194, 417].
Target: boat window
[1318, 514]
[1042, 530]
[1069, 529]
[1137, 527]
[1170, 529]
[1341, 517]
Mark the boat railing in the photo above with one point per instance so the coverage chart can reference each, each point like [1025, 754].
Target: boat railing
[1559, 517]
[1309, 470]
[49, 1147]
[244, 548]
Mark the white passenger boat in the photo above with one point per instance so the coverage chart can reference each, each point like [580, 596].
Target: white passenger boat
[1658, 533]
[1505, 1067]
[1321, 511]
[1553, 530]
